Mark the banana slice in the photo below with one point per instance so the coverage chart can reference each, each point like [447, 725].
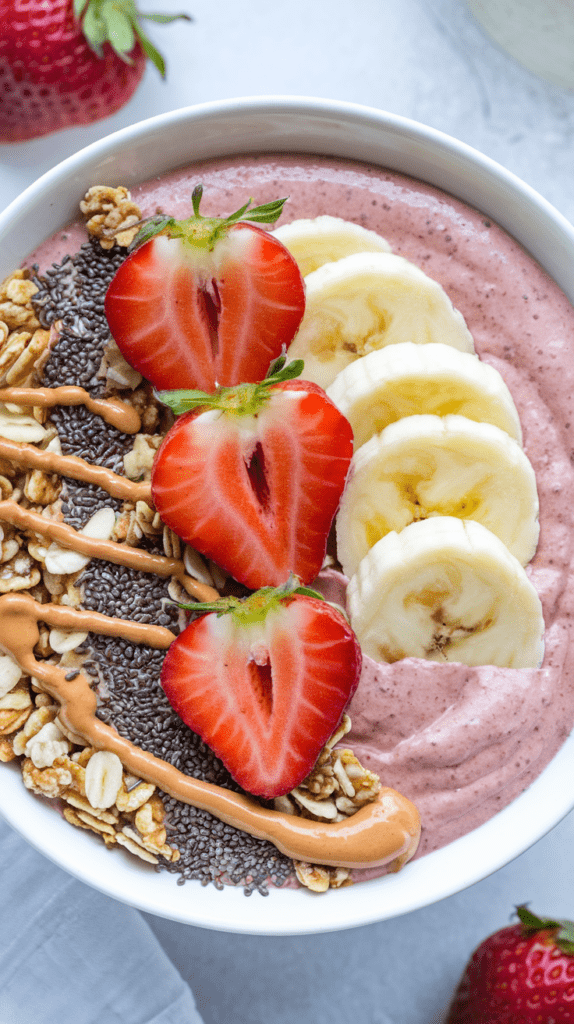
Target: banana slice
[406, 380]
[368, 301]
[326, 239]
[425, 466]
[446, 590]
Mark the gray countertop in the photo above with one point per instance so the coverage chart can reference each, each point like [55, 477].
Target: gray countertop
[428, 60]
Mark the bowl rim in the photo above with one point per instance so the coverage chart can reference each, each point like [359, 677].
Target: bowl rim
[457, 168]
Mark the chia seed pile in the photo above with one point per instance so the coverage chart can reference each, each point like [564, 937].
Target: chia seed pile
[127, 675]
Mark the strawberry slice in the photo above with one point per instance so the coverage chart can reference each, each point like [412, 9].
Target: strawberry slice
[264, 682]
[206, 301]
[253, 477]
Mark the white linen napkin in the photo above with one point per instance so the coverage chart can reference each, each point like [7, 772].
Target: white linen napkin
[67, 952]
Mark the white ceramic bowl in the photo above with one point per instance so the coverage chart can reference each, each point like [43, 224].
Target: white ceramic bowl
[344, 130]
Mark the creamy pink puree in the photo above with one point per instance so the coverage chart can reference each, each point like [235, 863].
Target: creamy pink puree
[460, 742]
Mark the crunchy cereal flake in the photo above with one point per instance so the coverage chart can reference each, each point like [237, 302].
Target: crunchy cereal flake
[20, 290]
[11, 721]
[81, 803]
[50, 782]
[10, 674]
[15, 700]
[16, 310]
[128, 838]
[18, 574]
[6, 750]
[20, 372]
[42, 488]
[35, 721]
[18, 425]
[319, 879]
[103, 779]
[138, 462]
[136, 797]
[46, 745]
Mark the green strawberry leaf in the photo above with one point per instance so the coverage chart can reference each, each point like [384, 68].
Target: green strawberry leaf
[278, 372]
[185, 400]
[151, 227]
[119, 29]
[165, 19]
[79, 6]
[240, 399]
[223, 605]
[309, 592]
[94, 29]
[531, 923]
[150, 51]
[119, 23]
[268, 213]
[565, 937]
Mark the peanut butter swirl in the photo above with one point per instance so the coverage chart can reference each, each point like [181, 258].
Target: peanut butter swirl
[383, 832]
[30, 457]
[118, 414]
[119, 554]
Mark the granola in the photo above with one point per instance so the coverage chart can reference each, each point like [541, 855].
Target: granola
[111, 216]
[336, 788]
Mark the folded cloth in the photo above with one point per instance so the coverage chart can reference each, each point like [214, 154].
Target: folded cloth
[69, 953]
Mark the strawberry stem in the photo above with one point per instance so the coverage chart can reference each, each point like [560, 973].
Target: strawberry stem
[256, 606]
[239, 400]
[203, 232]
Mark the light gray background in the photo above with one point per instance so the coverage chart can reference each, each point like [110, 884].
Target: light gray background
[428, 60]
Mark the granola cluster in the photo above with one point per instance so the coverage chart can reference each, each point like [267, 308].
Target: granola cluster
[24, 344]
[337, 787]
[111, 216]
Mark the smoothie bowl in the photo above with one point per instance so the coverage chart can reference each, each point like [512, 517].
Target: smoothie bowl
[459, 709]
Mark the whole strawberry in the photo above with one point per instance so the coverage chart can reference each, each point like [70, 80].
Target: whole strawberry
[523, 974]
[65, 63]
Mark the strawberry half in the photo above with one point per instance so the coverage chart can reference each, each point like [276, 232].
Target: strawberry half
[206, 301]
[264, 682]
[253, 478]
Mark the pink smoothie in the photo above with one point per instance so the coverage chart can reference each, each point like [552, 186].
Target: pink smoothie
[460, 742]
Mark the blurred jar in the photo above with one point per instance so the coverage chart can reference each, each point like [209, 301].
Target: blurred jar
[538, 33]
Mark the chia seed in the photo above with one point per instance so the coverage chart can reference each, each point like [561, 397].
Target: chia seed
[80, 501]
[90, 438]
[74, 292]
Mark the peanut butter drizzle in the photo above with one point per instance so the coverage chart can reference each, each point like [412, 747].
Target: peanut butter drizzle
[30, 457]
[383, 832]
[115, 412]
[111, 551]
